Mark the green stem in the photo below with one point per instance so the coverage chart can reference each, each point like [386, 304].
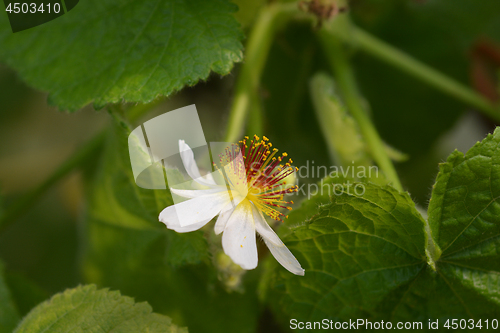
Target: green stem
[257, 50]
[347, 85]
[79, 157]
[355, 36]
[256, 116]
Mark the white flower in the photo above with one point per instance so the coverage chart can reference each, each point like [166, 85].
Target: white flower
[252, 187]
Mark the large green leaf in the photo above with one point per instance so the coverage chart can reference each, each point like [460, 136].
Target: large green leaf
[86, 309]
[464, 217]
[112, 51]
[357, 252]
[368, 255]
[127, 248]
[9, 316]
[463, 210]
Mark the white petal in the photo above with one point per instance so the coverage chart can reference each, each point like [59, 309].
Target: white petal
[223, 218]
[196, 210]
[169, 217]
[264, 229]
[285, 257]
[197, 193]
[275, 245]
[190, 165]
[209, 178]
[191, 227]
[238, 239]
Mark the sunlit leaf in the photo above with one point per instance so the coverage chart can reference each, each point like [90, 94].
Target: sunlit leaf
[112, 51]
[364, 254]
[86, 309]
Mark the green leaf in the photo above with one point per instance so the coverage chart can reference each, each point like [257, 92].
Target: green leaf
[356, 252]
[86, 309]
[112, 51]
[9, 316]
[339, 128]
[463, 210]
[127, 248]
[464, 218]
[309, 208]
[372, 256]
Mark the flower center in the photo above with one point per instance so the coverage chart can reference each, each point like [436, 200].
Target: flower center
[253, 171]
